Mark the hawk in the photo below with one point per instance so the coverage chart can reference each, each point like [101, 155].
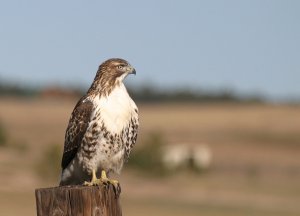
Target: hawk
[102, 129]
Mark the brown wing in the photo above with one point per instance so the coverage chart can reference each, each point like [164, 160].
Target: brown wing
[76, 129]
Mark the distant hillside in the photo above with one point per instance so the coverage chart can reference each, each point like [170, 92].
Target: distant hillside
[17, 90]
[143, 94]
[150, 94]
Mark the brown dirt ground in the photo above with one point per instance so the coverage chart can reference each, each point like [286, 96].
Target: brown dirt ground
[255, 168]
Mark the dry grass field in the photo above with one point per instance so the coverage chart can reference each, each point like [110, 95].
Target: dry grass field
[255, 166]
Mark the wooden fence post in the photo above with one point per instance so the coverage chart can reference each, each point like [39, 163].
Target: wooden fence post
[77, 200]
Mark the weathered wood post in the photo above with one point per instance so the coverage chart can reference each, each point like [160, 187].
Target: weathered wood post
[77, 200]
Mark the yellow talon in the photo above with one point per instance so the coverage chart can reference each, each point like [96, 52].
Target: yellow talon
[94, 180]
[103, 180]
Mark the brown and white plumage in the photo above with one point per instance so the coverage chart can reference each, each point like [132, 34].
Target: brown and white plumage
[103, 126]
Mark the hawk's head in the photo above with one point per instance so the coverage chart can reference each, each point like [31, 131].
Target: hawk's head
[115, 69]
[111, 73]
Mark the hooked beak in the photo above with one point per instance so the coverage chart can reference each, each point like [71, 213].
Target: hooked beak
[132, 70]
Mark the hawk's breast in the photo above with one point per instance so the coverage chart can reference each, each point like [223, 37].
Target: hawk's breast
[116, 109]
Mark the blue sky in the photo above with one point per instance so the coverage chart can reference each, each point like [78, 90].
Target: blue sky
[248, 46]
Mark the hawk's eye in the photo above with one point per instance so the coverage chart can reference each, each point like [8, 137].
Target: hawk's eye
[120, 67]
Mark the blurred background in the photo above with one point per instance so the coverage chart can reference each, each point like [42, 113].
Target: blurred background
[217, 87]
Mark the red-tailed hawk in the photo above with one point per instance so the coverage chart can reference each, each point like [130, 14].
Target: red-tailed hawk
[102, 129]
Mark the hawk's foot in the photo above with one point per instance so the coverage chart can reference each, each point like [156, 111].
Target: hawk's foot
[104, 181]
[94, 180]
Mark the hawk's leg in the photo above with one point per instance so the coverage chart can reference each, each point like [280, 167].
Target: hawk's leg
[103, 180]
[94, 180]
